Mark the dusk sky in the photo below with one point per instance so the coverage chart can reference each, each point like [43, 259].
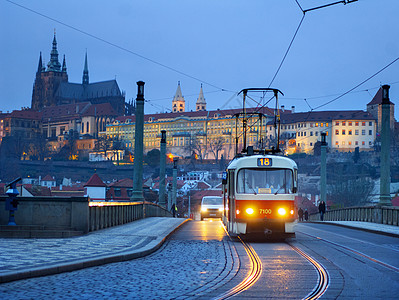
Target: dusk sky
[224, 45]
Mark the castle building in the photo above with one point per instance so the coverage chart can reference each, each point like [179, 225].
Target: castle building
[52, 88]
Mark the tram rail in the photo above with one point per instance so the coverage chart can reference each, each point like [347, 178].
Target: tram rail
[381, 263]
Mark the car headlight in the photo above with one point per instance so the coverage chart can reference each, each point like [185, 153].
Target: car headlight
[281, 211]
[249, 211]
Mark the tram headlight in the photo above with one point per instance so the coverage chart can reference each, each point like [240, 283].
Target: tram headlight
[220, 208]
[249, 211]
[237, 212]
[291, 211]
[204, 209]
[281, 211]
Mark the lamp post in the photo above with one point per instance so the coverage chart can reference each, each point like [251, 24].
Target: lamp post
[137, 194]
[385, 178]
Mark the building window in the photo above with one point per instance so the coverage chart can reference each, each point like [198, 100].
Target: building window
[370, 143]
[336, 143]
[370, 123]
[117, 192]
[321, 124]
[317, 125]
[343, 123]
[350, 123]
[336, 132]
[337, 123]
[343, 132]
[311, 133]
[356, 143]
[349, 132]
[343, 143]
[87, 127]
[363, 123]
[363, 143]
[316, 133]
[357, 132]
[370, 132]
[311, 144]
[363, 132]
[356, 123]
[349, 143]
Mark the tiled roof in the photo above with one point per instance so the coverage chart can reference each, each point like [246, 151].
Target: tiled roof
[48, 178]
[126, 182]
[377, 99]
[26, 114]
[103, 109]
[95, 181]
[79, 91]
[69, 111]
[324, 116]
[199, 114]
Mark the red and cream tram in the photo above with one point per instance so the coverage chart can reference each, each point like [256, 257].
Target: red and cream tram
[259, 195]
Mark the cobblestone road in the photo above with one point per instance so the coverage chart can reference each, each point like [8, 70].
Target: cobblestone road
[180, 269]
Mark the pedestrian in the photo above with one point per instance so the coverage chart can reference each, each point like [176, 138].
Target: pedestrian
[306, 215]
[322, 210]
[300, 214]
[174, 210]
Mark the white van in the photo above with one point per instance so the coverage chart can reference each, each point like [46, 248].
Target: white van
[211, 207]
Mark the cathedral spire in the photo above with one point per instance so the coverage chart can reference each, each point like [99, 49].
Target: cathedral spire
[40, 65]
[54, 64]
[64, 68]
[85, 79]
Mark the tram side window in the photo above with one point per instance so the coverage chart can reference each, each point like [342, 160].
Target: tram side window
[265, 181]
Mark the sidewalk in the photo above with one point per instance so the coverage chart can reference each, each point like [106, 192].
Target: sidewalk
[26, 258]
[367, 226]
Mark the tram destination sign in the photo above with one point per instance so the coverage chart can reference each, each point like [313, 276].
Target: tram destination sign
[264, 162]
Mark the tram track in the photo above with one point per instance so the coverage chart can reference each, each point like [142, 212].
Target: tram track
[251, 278]
[323, 277]
[358, 253]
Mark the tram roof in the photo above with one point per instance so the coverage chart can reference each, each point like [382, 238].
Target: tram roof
[252, 162]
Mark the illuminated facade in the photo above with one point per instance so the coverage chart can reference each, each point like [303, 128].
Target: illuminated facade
[345, 130]
[206, 134]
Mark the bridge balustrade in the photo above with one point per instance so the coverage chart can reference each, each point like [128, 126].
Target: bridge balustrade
[383, 215]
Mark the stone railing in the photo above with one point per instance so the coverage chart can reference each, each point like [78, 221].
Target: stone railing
[78, 213]
[108, 214]
[383, 215]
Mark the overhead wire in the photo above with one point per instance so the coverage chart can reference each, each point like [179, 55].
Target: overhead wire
[116, 46]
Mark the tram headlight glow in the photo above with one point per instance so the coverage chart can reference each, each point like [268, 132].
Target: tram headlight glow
[291, 211]
[281, 211]
[249, 211]
[220, 208]
[204, 209]
[237, 212]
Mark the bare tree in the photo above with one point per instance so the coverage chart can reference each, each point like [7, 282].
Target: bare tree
[215, 146]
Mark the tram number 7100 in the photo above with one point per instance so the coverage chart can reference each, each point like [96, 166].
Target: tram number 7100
[264, 162]
[265, 211]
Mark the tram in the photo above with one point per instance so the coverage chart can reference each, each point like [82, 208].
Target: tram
[259, 195]
[259, 191]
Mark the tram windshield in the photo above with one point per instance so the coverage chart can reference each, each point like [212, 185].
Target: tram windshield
[265, 181]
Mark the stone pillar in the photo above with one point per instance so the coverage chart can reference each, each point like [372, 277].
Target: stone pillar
[162, 172]
[323, 169]
[137, 194]
[385, 179]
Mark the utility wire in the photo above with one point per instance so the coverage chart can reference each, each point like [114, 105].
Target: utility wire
[116, 46]
[361, 83]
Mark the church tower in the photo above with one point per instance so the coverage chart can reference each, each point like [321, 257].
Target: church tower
[178, 103]
[48, 81]
[201, 103]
